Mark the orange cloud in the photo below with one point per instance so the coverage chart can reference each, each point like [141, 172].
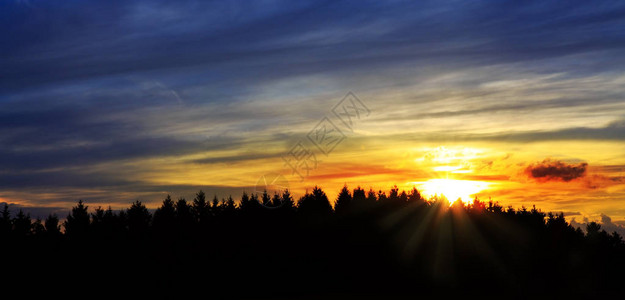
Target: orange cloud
[356, 170]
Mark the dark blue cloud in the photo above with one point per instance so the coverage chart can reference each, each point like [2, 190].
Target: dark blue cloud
[49, 43]
[615, 131]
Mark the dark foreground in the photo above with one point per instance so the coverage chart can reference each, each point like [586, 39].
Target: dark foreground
[369, 246]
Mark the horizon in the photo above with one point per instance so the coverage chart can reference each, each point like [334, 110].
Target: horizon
[43, 213]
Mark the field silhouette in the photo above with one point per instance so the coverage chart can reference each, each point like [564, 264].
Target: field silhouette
[370, 244]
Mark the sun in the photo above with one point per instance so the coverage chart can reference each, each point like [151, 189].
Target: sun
[453, 189]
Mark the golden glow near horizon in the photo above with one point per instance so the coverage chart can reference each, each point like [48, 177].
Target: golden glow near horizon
[490, 170]
[452, 189]
[447, 162]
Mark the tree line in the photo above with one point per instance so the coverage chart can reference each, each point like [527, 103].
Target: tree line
[368, 242]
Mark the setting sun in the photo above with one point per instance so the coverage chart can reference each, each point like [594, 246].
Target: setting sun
[453, 189]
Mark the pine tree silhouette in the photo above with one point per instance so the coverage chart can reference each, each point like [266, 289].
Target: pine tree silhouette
[214, 208]
[22, 224]
[371, 197]
[265, 199]
[37, 228]
[184, 216]
[6, 223]
[245, 202]
[201, 209]
[343, 202]
[276, 200]
[359, 199]
[52, 226]
[77, 222]
[139, 219]
[315, 203]
[230, 208]
[165, 217]
[287, 203]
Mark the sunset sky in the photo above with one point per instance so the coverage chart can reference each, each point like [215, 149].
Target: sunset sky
[114, 101]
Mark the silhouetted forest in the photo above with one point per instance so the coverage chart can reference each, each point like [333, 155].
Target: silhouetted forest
[379, 244]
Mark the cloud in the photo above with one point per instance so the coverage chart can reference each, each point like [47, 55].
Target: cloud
[553, 170]
[613, 131]
[96, 39]
[238, 158]
[606, 224]
[571, 213]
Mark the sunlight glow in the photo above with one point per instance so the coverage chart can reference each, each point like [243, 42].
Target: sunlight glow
[446, 168]
[453, 189]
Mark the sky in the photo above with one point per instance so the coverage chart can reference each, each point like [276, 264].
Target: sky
[115, 101]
